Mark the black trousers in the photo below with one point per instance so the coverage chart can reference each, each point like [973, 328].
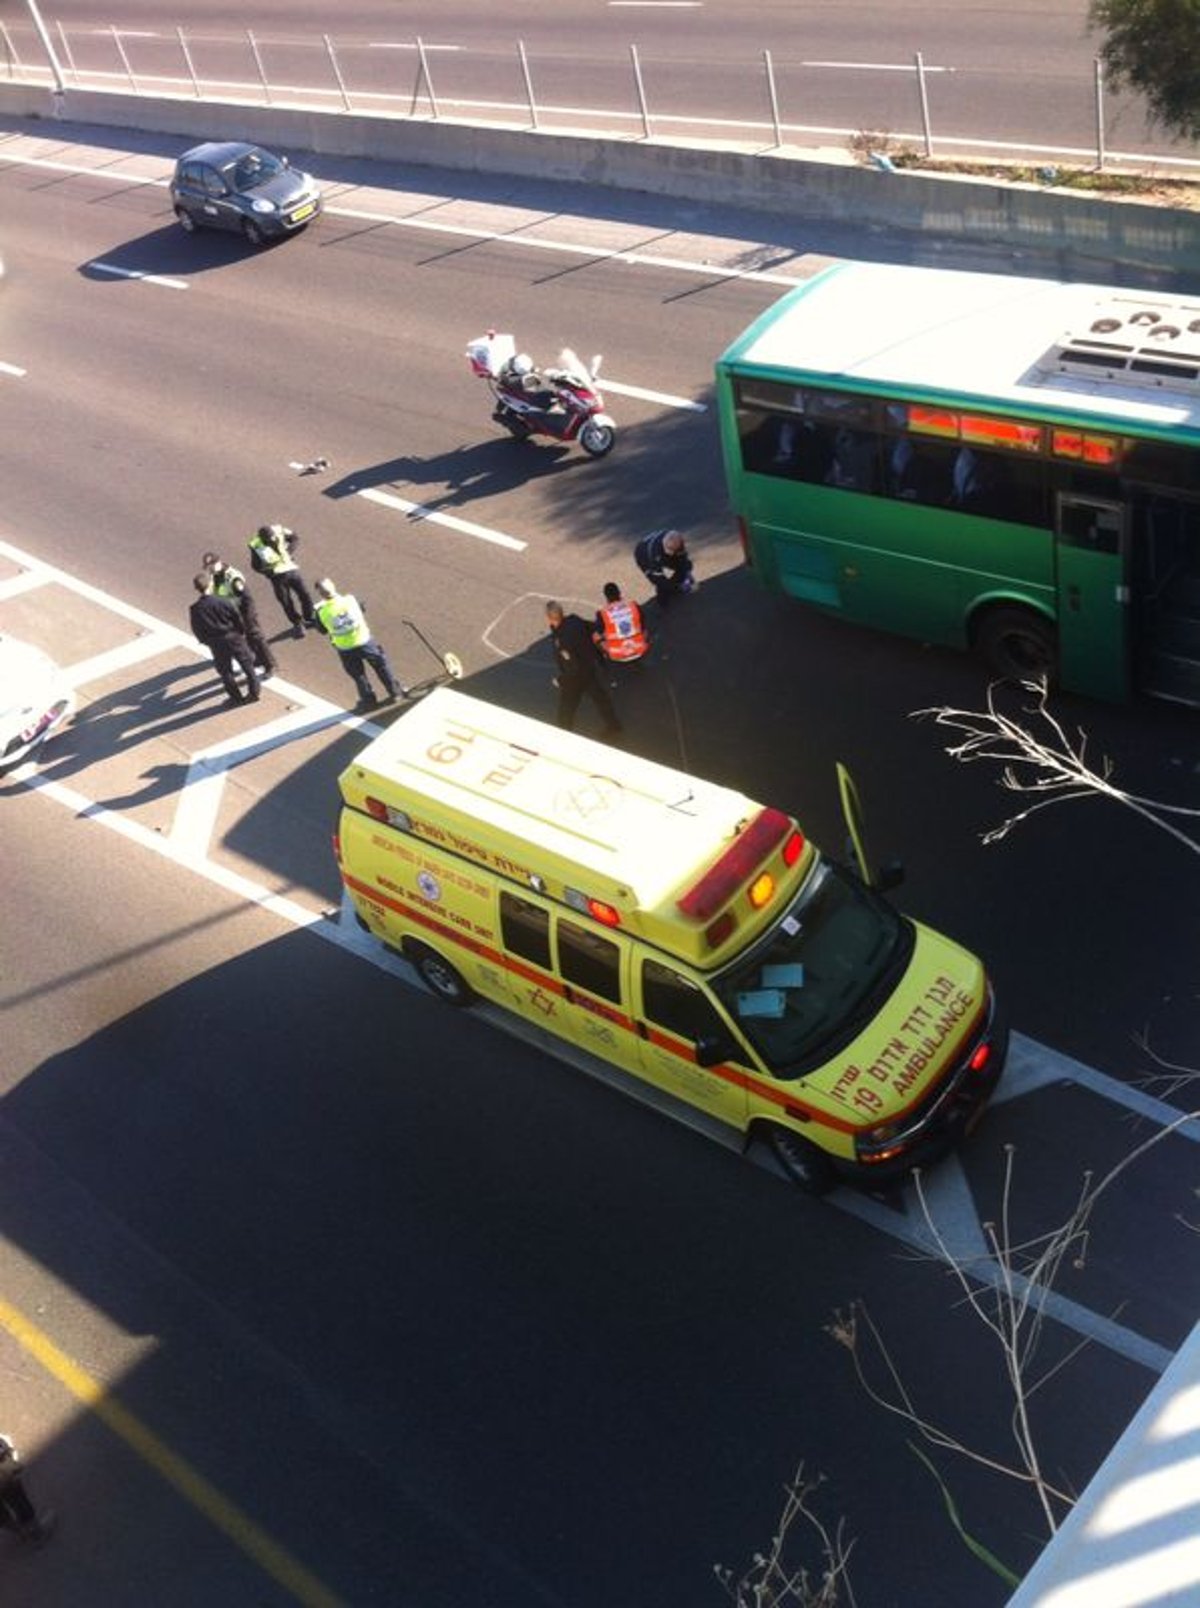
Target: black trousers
[227, 652]
[294, 597]
[259, 646]
[572, 690]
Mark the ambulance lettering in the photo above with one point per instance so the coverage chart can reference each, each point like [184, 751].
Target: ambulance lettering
[908, 1053]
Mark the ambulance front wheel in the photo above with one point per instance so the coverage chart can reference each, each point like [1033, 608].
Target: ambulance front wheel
[439, 975]
[807, 1167]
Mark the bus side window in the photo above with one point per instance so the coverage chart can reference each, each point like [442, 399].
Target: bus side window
[921, 470]
[677, 1006]
[589, 961]
[525, 929]
[854, 461]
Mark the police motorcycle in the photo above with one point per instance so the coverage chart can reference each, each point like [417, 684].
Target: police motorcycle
[562, 402]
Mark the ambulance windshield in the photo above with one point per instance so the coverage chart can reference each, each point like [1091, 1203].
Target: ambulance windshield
[819, 974]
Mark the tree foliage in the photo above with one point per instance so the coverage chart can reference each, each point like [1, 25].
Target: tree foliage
[1153, 47]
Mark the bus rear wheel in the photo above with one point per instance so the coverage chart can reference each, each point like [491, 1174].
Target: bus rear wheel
[438, 975]
[1017, 644]
[807, 1167]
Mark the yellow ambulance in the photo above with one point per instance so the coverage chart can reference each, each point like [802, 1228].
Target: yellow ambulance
[690, 938]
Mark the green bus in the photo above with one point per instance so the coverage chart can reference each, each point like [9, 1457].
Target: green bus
[978, 460]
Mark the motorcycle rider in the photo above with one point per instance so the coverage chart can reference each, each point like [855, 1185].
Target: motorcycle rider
[523, 378]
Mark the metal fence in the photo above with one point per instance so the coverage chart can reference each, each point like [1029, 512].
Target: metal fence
[408, 78]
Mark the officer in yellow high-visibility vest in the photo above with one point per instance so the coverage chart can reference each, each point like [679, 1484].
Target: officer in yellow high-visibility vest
[271, 549]
[340, 615]
[231, 583]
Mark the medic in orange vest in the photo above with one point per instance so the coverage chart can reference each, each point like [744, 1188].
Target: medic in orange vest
[620, 632]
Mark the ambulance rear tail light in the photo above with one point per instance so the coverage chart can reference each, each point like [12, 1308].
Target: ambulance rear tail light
[716, 935]
[980, 1057]
[379, 811]
[793, 848]
[747, 852]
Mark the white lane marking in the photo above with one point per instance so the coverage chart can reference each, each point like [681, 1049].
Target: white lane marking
[11, 368]
[137, 273]
[123, 657]
[420, 515]
[390, 44]
[877, 66]
[26, 581]
[1031, 1066]
[663, 397]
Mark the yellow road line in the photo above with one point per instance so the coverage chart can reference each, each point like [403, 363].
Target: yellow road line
[273, 1559]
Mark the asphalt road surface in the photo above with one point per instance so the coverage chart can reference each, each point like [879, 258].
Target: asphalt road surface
[344, 1298]
[1020, 77]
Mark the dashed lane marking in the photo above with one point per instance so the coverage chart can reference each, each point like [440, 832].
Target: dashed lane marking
[11, 368]
[136, 273]
[419, 514]
[664, 398]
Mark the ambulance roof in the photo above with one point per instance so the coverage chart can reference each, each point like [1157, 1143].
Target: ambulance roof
[525, 797]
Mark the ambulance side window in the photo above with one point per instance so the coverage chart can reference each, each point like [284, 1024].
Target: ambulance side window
[588, 960]
[677, 1005]
[525, 928]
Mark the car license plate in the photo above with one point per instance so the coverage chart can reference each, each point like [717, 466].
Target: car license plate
[304, 212]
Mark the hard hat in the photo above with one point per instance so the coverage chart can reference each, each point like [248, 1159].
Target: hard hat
[522, 363]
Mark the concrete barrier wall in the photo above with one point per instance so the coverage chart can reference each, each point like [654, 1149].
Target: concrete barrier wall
[1069, 231]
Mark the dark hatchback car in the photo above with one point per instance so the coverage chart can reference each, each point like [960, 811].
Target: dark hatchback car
[230, 185]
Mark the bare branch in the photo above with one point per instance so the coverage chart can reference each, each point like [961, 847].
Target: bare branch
[1043, 764]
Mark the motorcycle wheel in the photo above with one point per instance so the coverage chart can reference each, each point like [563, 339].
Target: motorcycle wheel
[597, 439]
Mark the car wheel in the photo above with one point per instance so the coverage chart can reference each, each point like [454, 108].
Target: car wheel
[807, 1167]
[186, 222]
[597, 439]
[439, 976]
[1017, 644]
[254, 235]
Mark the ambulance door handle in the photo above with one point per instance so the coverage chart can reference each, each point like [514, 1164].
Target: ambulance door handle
[642, 1030]
[568, 994]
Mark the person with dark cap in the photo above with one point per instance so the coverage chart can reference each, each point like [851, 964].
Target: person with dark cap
[272, 549]
[231, 583]
[217, 623]
[663, 559]
[577, 666]
[17, 1512]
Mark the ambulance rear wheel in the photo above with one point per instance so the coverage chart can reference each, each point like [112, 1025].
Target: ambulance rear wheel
[439, 975]
[807, 1167]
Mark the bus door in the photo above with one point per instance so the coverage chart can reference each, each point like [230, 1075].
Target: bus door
[1093, 595]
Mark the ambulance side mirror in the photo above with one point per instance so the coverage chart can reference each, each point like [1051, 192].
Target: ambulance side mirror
[714, 1048]
[889, 876]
